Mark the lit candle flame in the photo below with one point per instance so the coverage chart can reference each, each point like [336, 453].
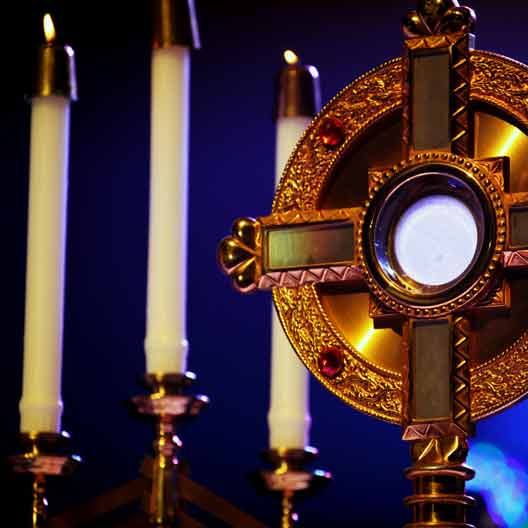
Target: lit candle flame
[49, 28]
[291, 57]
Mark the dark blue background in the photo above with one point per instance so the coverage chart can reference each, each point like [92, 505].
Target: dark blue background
[231, 174]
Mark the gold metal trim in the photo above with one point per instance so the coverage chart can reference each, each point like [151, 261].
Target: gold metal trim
[439, 474]
[54, 72]
[457, 45]
[302, 277]
[295, 216]
[458, 423]
[174, 24]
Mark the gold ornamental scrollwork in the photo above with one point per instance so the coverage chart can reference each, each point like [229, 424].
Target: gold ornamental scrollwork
[499, 83]
[372, 391]
[366, 101]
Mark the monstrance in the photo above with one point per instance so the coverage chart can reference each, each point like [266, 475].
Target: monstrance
[397, 249]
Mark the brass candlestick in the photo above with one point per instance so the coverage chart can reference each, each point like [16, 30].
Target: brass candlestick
[43, 455]
[168, 404]
[290, 478]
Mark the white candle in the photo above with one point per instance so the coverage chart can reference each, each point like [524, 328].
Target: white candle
[289, 414]
[166, 343]
[41, 403]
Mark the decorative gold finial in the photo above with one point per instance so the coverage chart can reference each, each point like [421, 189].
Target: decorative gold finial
[239, 254]
[433, 17]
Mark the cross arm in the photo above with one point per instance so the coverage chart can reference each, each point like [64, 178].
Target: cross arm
[292, 249]
[436, 386]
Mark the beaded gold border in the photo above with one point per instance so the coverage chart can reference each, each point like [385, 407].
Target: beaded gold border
[496, 81]
[474, 171]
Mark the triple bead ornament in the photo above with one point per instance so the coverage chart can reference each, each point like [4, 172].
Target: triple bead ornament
[397, 250]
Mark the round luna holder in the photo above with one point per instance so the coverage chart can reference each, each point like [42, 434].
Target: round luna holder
[429, 233]
[397, 248]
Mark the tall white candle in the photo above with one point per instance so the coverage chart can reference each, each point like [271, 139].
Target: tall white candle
[166, 343]
[175, 30]
[289, 414]
[41, 403]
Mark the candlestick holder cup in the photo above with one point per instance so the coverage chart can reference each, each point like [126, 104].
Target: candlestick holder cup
[290, 478]
[168, 404]
[43, 455]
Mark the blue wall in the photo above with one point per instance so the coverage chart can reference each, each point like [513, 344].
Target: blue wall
[231, 174]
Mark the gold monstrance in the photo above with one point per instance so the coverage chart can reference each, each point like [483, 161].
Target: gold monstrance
[397, 250]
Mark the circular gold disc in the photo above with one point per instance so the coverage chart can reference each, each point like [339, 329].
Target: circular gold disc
[320, 175]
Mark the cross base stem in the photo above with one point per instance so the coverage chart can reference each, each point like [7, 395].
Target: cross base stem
[439, 497]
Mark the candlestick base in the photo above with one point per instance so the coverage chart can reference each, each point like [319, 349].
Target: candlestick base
[290, 478]
[43, 455]
[167, 404]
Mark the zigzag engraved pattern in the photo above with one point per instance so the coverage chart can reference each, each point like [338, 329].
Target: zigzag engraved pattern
[406, 96]
[461, 126]
[431, 430]
[461, 390]
[297, 216]
[297, 278]
[432, 41]
[516, 259]
[461, 129]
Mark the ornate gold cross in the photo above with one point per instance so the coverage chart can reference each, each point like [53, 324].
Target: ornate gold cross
[439, 238]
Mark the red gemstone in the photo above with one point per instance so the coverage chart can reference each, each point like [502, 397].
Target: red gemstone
[330, 362]
[331, 132]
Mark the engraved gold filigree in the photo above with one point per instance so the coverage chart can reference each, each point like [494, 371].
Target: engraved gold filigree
[501, 382]
[371, 390]
[496, 81]
[363, 103]
[502, 83]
